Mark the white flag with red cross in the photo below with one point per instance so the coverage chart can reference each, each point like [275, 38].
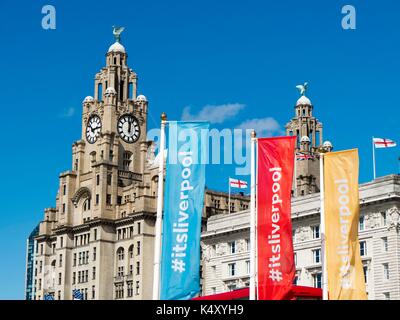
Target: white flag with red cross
[236, 183]
[384, 143]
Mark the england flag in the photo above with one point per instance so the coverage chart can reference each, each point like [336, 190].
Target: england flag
[236, 183]
[383, 143]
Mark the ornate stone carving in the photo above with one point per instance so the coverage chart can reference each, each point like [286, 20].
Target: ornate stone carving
[206, 252]
[222, 249]
[302, 233]
[241, 245]
[393, 218]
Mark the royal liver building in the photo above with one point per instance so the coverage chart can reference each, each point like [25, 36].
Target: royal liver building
[99, 237]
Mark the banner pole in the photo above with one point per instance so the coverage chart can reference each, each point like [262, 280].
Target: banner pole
[160, 194]
[373, 157]
[323, 239]
[252, 218]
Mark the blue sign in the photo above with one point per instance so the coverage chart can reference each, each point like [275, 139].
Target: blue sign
[183, 207]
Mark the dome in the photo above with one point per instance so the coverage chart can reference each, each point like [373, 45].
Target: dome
[116, 47]
[303, 101]
[327, 144]
[88, 99]
[141, 98]
[110, 91]
[305, 139]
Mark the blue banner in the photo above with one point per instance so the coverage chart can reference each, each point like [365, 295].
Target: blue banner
[183, 207]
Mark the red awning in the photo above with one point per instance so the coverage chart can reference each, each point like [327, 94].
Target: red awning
[243, 294]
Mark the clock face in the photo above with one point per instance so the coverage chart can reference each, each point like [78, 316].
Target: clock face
[128, 128]
[93, 129]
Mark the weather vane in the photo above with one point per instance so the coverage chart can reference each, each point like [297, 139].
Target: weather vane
[117, 33]
[302, 88]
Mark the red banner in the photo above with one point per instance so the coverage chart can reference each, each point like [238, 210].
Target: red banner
[276, 268]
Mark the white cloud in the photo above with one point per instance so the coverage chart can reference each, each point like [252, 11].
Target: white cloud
[213, 113]
[264, 127]
[68, 113]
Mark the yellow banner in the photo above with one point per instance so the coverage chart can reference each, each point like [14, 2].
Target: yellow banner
[344, 265]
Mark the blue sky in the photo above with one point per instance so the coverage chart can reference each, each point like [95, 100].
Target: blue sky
[186, 54]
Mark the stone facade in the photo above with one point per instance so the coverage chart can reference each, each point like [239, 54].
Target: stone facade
[379, 238]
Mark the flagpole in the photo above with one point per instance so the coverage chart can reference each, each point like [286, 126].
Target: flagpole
[229, 201]
[373, 157]
[160, 194]
[252, 219]
[323, 239]
[295, 174]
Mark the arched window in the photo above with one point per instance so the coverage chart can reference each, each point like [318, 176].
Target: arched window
[100, 92]
[127, 159]
[120, 254]
[130, 90]
[86, 205]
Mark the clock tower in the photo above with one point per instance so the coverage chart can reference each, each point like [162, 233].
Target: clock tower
[94, 239]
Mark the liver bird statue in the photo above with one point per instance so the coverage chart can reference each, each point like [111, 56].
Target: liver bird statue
[302, 88]
[117, 32]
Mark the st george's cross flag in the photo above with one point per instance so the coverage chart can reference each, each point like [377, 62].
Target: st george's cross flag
[384, 143]
[301, 157]
[236, 183]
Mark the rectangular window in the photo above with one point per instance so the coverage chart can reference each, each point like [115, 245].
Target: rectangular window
[109, 179]
[137, 287]
[138, 248]
[61, 242]
[317, 279]
[97, 179]
[74, 261]
[365, 268]
[232, 269]
[315, 232]
[232, 247]
[119, 200]
[93, 292]
[139, 231]
[73, 277]
[63, 208]
[363, 248]
[64, 189]
[386, 271]
[97, 198]
[60, 261]
[94, 254]
[361, 225]
[138, 268]
[59, 279]
[108, 199]
[317, 255]
[95, 234]
[94, 273]
[385, 246]
[247, 267]
[383, 218]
